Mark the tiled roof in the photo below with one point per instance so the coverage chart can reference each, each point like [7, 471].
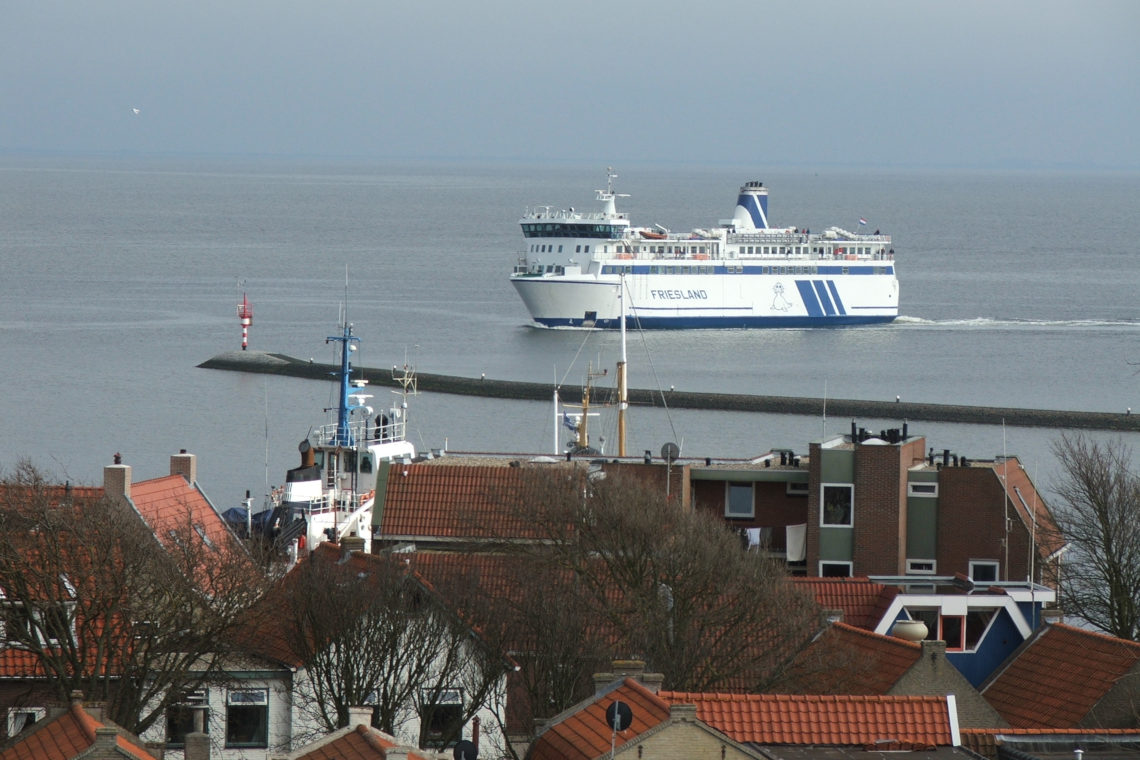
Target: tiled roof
[582, 732]
[19, 663]
[66, 737]
[170, 503]
[850, 660]
[360, 743]
[984, 741]
[862, 601]
[1029, 506]
[456, 502]
[1059, 676]
[834, 720]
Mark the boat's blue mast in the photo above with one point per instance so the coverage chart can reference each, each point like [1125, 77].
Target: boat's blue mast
[343, 432]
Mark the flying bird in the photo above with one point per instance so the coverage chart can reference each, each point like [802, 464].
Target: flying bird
[135, 111]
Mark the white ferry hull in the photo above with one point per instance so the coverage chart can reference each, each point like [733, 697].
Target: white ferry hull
[738, 300]
[741, 273]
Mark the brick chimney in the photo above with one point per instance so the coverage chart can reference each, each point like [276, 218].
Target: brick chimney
[117, 479]
[359, 716]
[350, 544]
[185, 465]
[635, 669]
[106, 741]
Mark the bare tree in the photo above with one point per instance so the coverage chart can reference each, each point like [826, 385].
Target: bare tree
[1099, 515]
[671, 586]
[102, 607]
[369, 632]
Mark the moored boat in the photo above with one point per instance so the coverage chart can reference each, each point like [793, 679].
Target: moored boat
[741, 273]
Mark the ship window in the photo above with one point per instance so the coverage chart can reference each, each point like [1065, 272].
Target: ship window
[577, 249]
[560, 249]
[587, 249]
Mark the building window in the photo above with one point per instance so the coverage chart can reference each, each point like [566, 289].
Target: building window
[180, 718]
[441, 718]
[836, 502]
[921, 566]
[738, 500]
[834, 569]
[983, 571]
[247, 718]
[926, 490]
[952, 630]
[20, 718]
[795, 488]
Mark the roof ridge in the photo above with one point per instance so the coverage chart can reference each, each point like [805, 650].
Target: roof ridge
[1107, 637]
[880, 637]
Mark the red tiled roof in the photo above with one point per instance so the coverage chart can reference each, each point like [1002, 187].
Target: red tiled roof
[850, 660]
[360, 743]
[1029, 506]
[862, 601]
[1055, 680]
[831, 720]
[64, 738]
[461, 501]
[170, 503]
[584, 734]
[984, 741]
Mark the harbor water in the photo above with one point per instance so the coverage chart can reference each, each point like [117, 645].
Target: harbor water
[119, 276]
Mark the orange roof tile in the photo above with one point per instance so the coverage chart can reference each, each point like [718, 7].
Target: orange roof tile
[1029, 506]
[463, 501]
[850, 660]
[1059, 676]
[583, 734]
[862, 601]
[64, 738]
[170, 503]
[360, 743]
[835, 720]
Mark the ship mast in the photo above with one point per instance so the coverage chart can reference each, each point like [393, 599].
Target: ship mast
[623, 396]
[343, 430]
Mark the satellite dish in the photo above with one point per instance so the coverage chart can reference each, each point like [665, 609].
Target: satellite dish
[670, 451]
[619, 716]
[465, 750]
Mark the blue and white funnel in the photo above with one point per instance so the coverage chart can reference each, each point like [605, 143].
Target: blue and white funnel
[751, 207]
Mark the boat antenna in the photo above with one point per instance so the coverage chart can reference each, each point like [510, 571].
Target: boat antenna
[347, 341]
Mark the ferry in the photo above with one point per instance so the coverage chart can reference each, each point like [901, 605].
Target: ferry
[578, 266]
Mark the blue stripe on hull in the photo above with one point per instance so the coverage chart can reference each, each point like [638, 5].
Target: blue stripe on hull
[696, 323]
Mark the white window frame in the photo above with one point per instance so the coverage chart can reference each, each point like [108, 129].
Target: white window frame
[797, 488]
[728, 486]
[823, 488]
[916, 567]
[850, 567]
[922, 489]
[986, 563]
[262, 700]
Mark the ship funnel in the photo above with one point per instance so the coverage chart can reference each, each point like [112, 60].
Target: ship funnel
[752, 207]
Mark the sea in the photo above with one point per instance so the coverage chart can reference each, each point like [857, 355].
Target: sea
[119, 276]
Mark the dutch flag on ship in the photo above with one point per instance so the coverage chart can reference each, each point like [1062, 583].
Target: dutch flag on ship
[862, 221]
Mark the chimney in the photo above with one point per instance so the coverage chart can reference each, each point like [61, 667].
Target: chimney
[185, 465]
[117, 480]
[106, 740]
[683, 713]
[634, 669]
[197, 746]
[359, 716]
[350, 544]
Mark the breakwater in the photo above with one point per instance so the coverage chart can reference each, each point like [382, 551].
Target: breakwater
[280, 364]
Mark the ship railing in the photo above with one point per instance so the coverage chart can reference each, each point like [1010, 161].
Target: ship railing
[383, 429]
[344, 500]
[558, 215]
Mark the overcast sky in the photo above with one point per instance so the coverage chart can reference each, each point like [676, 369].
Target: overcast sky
[1017, 83]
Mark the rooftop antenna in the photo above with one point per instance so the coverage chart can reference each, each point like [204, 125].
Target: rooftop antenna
[623, 393]
[1005, 499]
